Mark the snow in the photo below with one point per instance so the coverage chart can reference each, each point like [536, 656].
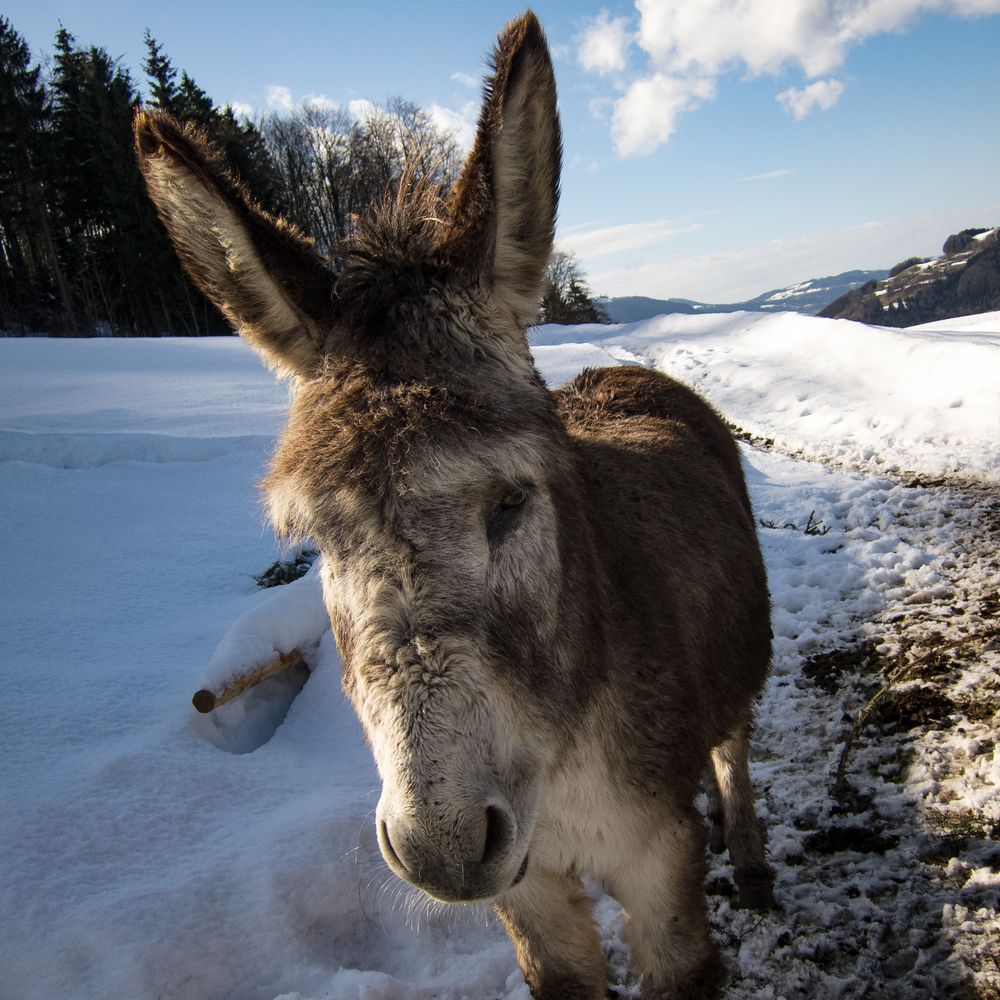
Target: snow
[291, 617]
[988, 323]
[149, 852]
[913, 401]
[789, 293]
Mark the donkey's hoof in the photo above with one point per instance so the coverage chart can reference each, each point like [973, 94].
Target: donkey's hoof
[716, 838]
[705, 984]
[756, 888]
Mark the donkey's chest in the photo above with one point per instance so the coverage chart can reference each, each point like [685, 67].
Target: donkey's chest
[589, 821]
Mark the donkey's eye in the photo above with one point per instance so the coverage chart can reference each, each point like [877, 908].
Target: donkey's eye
[505, 514]
[513, 500]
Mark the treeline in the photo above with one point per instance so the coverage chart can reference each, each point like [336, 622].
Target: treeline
[82, 252]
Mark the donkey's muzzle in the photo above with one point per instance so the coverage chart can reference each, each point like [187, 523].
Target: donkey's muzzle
[470, 858]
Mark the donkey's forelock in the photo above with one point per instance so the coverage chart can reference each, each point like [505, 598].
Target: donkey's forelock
[410, 298]
[362, 432]
[394, 258]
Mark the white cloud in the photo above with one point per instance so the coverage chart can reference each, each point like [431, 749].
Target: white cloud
[647, 115]
[242, 110]
[279, 98]
[362, 109]
[822, 94]
[601, 108]
[697, 41]
[761, 36]
[461, 124]
[769, 175]
[585, 163]
[321, 102]
[465, 79]
[710, 36]
[604, 44]
[607, 240]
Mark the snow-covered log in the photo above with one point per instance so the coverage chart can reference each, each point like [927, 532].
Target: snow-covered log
[205, 699]
[265, 641]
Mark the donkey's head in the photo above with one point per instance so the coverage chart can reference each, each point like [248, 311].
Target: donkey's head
[425, 458]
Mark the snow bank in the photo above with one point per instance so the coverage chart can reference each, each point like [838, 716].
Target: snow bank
[919, 400]
[988, 323]
[291, 617]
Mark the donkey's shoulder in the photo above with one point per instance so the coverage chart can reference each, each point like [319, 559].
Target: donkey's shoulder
[632, 391]
[610, 412]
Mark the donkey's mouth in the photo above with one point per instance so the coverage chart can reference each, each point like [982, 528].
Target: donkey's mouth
[482, 895]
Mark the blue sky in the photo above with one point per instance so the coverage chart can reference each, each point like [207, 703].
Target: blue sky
[713, 149]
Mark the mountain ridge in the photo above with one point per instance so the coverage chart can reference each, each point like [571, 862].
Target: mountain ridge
[808, 297]
[962, 281]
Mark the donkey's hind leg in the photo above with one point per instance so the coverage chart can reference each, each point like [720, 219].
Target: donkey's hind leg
[716, 813]
[744, 834]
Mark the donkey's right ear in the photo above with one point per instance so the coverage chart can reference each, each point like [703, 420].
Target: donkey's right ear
[260, 271]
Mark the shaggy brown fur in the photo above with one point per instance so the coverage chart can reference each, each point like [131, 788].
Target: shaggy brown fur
[551, 607]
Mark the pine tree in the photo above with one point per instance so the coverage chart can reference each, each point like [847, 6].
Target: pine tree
[30, 280]
[81, 248]
[194, 105]
[110, 241]
[161, 75]
[241, 142]
[245, 149]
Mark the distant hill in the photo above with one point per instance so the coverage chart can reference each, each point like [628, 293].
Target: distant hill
[807, 297]
[964, 280]
[632, 308]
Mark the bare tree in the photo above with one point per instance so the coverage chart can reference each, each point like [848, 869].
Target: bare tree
[332, 165]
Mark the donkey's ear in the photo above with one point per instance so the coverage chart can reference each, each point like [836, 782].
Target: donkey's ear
[260, 271]
[503, 209]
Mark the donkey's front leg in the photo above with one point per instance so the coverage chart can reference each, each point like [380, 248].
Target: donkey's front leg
[550, 920]
[662, 890]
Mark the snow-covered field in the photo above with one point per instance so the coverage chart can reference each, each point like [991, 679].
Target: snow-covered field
[149, 853]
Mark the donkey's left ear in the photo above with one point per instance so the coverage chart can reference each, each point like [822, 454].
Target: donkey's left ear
[503, 209]
[260, 271]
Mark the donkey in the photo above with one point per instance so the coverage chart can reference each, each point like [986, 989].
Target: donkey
[551, 607]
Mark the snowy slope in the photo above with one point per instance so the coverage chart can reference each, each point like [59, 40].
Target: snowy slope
[144, 857]
[917, 400]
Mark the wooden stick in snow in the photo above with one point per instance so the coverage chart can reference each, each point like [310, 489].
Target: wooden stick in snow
[206, 700]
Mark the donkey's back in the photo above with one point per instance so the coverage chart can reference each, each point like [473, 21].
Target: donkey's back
[668, 504]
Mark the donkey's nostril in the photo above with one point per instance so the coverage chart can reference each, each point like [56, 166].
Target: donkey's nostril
[499, 829]
[386, 844]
